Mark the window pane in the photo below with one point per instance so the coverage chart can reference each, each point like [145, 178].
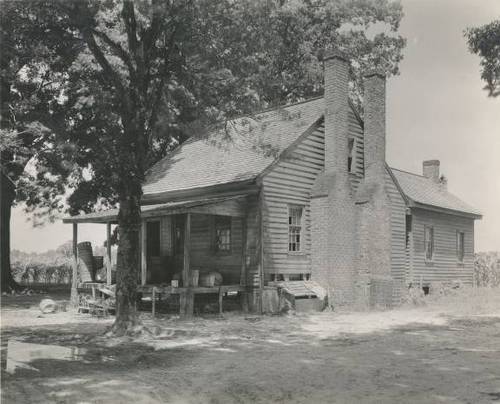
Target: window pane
[222, 233]
[429, 242]
[294, 228]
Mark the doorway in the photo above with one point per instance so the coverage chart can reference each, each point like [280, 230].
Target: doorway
[178, 229]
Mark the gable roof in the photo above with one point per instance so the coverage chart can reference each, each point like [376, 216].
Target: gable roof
[248, 145]
[423, 191]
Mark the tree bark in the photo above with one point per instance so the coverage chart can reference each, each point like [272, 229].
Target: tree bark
[129, 224]
[7, 195]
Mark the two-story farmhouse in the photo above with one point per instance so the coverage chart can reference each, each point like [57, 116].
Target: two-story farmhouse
[303, 192]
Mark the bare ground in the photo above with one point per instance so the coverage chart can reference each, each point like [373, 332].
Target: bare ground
[448, 351]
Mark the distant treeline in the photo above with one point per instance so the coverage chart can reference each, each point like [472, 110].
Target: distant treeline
[50, 267]
[487, 269]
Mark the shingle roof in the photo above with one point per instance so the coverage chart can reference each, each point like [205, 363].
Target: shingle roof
[250, 144]
[424, 191]
[254, 144]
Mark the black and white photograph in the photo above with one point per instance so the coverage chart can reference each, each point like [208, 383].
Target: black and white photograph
[250, 201]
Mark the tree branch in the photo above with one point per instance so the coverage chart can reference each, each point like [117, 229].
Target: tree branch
[105, 65]
[118, 51]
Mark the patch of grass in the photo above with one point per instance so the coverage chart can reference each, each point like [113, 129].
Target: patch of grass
[466, 300]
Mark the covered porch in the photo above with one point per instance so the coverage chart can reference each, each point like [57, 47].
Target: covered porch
[184, 245]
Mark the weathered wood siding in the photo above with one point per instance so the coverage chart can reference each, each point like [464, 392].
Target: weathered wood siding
[203, 256]
[289, 183]
[398, 230]
[445, 266]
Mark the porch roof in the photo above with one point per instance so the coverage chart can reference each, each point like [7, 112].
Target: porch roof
[233, 205]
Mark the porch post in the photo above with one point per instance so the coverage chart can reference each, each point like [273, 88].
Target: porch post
[261, 251]
[74, 281]
[108, 253]
[143, 252]
[243, 274]
[187, 301]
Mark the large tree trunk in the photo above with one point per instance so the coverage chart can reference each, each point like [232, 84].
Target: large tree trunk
[129, 222]
[7, 195]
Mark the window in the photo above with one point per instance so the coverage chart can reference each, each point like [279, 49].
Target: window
[408, 229]
[223, 234]
[460, 246]
[429, 242]
[350, 155]
[294, 228]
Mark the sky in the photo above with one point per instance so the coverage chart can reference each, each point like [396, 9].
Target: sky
[436, 109]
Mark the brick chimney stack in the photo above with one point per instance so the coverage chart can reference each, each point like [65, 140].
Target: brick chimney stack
[374, 103]
[374, 210]
[336, 67]
[430, 169]
[333, 212]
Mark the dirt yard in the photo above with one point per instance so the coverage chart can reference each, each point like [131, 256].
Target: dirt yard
[447, 351]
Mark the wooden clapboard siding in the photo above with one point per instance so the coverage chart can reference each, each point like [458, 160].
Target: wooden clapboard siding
[444, 266]
[205, 259]
[398, 230]
[289, 183]
[253, 232]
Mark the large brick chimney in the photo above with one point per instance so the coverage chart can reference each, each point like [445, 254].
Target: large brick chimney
[333, 213]
[374, 282]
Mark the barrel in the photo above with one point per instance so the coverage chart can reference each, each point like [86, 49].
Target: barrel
[86, 261]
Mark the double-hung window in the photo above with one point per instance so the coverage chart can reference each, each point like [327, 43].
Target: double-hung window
[223, 234]
[460, 246]
[295, 228]
[429, 242]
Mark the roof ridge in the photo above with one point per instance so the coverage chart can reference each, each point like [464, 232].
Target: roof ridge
[408, 172]
[275, 108]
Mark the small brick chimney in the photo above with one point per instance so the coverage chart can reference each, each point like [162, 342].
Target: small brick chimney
[430, 169]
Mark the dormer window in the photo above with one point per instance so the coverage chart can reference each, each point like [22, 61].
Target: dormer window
[350, 155]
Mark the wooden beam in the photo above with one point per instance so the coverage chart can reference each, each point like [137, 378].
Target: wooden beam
[187, 299]
[243, 274]
[108, 253]
[74, 282]
[143, 253]
[261, 250]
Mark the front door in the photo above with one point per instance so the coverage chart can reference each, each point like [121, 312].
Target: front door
[178, 238]
[153, 251]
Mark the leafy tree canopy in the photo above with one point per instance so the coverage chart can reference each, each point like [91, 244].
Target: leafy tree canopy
[485, 42]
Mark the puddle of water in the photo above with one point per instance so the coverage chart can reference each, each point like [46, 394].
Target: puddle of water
[21, 354]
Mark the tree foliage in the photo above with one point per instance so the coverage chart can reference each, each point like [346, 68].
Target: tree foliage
[485, 42]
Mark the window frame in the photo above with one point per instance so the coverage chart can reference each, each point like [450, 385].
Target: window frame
[221, 222]
[300, 250]
[461, 237]
[432, 245]
[351, 167]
